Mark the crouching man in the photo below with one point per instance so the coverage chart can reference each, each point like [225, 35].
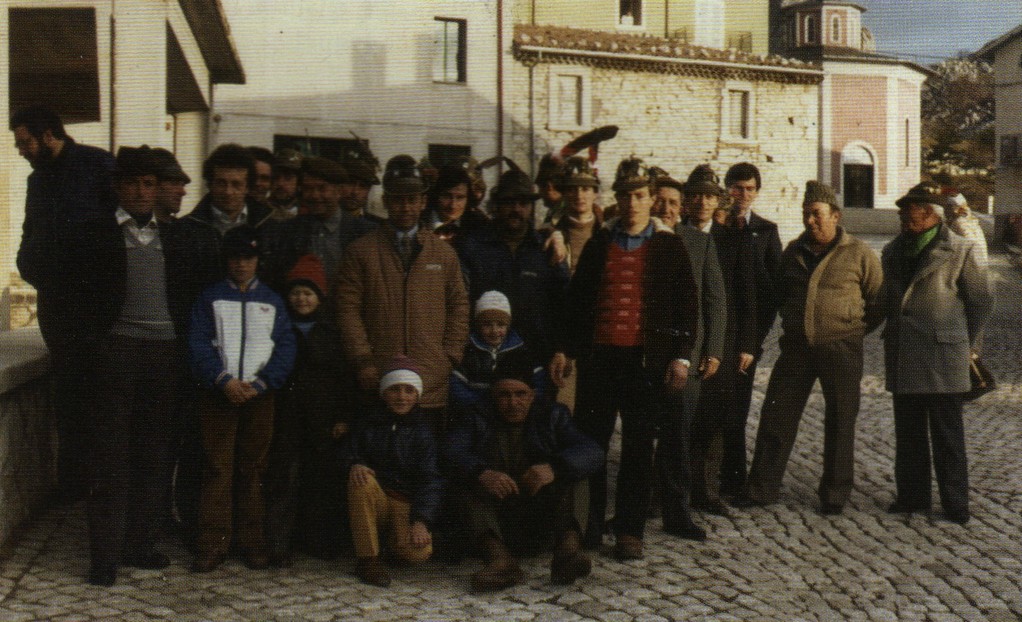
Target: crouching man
[394, 482]
[524, 467]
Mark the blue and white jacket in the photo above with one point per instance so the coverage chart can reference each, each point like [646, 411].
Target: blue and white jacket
[245, 335]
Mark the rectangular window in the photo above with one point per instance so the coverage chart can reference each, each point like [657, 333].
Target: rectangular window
[332, 148]
[738, 113]
[630, 13]
[569, 100]
[54, 61]
[449, 50]
[741, 41]
[442, 155]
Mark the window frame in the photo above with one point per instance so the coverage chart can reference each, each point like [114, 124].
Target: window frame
[641, 24]
[461, 56]
[584, 76]
[725, 113]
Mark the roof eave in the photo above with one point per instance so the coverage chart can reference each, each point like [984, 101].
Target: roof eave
[209, 26]
[987, 51]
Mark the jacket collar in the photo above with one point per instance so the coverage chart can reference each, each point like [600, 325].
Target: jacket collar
[512, 342]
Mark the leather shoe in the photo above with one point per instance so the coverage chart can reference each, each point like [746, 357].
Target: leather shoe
[686, 531]
[745, 501]
[372, 571]
[501, 570]
[959, 518]
[255, 558]
[207, 562]
[905, 508]
[715, 507]
[148, 560]
[831, 509]
[627, 547]
[104, 575]
[569, 562]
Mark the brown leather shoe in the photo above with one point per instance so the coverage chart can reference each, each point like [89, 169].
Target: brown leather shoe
[501, 570]
[207, 561]
[627, 547]
[256, 558]
[569, 562]
[372, 571]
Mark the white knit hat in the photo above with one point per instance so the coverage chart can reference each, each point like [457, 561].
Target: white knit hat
[493, 301]
[401, 371]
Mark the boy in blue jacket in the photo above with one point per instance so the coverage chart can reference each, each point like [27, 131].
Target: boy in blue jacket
[393, 481]
[242, 350]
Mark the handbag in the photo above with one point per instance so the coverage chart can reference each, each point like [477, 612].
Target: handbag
[982, 380]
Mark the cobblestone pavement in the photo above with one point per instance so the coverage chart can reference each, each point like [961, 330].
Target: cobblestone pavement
[785, 562]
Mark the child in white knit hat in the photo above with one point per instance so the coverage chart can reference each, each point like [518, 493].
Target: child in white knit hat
[492, 346]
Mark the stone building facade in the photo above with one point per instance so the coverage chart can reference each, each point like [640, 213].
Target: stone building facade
[677, 106]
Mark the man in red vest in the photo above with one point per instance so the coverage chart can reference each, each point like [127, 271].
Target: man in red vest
[633, 308]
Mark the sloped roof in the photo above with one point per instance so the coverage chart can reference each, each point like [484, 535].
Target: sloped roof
[209, 25]
[529, 39]
[822, 53]
[987, 51]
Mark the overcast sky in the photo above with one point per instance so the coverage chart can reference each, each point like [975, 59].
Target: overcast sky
[935, 29]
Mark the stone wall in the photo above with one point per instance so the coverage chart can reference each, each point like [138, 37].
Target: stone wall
[674, 121]
[28, 441]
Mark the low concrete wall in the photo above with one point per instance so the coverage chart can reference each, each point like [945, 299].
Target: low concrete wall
[28, 438]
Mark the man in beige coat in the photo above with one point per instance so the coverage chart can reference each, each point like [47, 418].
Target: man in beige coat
[937, 299]
[400, 291]
[830, 287]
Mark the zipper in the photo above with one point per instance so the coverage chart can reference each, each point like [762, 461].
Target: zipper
[244, 332]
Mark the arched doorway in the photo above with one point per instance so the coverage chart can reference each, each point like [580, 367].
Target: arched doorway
[857, 186]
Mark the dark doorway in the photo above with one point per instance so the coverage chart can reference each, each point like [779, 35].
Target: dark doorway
[858, 188]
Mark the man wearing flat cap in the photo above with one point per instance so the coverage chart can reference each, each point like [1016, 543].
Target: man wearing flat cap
[507, 255]
[170, 185]
[633, 307]
[324, 229]
[829, 300]
[400, 291]
[283, 197]
[936, 300]
[522, 467]
[135, 281]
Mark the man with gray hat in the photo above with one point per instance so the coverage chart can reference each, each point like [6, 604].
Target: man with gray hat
[936, 300]
[400, 291]
[829, 300]
[170, 185]
[325, 230]
[633, 309]
[283, 197]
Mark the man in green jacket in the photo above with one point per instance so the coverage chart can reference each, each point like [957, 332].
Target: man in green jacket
[830, 288]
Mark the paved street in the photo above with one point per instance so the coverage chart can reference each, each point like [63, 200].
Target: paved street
[784, 562]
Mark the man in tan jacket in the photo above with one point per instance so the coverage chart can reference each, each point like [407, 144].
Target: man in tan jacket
[400, 291]
[830, 288]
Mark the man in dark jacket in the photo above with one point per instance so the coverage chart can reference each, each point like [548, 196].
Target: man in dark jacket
[135, 280]
[743, 182]
[523, 467]
[324, 230]
[229, 173]
[451, 212]
[508, 256]
[69, 184]
[633, 305]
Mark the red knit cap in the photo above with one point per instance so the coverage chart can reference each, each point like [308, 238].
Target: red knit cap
[308, 270]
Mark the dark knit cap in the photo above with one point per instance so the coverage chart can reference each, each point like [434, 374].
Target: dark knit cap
[817, 192]
[241, 241]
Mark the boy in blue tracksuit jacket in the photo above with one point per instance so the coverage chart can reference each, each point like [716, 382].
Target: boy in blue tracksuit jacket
[242, 349]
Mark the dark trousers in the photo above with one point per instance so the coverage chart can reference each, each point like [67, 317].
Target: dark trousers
[718, 405]
[132, 423]
[672, 464]
[736, 417]
[188, 466]
[939, 417]
[838, 367]
[613, 380]
[529, 522]
[72, 386]
[236, 440]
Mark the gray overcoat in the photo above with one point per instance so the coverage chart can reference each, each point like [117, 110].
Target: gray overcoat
[935, 317]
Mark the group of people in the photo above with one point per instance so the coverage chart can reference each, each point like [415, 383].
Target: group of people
[318, 377]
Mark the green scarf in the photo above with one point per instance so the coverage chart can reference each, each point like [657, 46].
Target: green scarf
[916, 245]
